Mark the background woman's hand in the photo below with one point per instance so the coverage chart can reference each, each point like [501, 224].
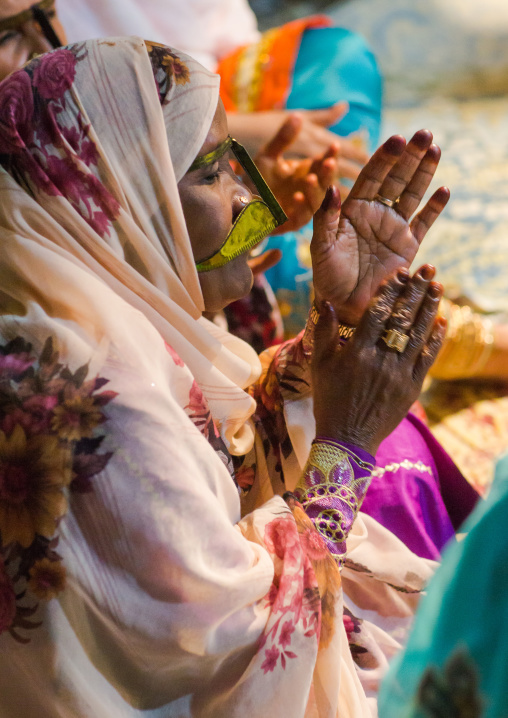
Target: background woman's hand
[363, 390]
[299, 185]
[255, 130]
[355, 249]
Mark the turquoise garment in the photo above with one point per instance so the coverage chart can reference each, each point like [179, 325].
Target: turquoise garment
[291, 278]
[332, 65]
[463, 619]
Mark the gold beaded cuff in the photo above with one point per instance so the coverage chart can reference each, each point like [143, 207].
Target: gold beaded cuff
[344, 331]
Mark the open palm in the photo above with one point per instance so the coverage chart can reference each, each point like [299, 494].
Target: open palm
[355, 249]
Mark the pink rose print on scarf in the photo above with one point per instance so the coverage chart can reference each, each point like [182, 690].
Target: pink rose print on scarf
[45, 141]
[174, 356]
[293, 596]
[199, 412]
[54, 74]
[313, 544]
[282, 540]
[16, 113]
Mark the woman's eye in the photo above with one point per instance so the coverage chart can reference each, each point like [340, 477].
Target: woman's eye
[212, 174]
[10, 35]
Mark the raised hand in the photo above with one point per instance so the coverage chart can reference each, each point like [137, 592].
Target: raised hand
[364, 389]
[355, 249]
[255, 130]
[299, 185]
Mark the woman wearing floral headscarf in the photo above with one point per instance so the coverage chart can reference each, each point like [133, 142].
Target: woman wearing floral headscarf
[132, 582]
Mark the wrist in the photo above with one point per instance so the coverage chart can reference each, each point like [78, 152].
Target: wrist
[364, 458]
[343, 315]
[344, 330]
[347, 436]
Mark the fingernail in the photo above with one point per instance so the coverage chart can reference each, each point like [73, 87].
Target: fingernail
[395, 145]
[427, 271]
[422, 139]
[442, 195]
[441, 322]
[332, 199]
[433, 153]
[402, 274]
[435, 290]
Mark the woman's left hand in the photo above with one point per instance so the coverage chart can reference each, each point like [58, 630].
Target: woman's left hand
[364, 389]
[355, 249]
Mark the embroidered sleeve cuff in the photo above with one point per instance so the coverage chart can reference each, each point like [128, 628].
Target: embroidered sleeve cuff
[331, 490]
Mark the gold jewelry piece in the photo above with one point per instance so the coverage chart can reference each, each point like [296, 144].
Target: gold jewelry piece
[344, 331]
[395, 340]
[243, 199]
[314, 314]
[387, 202]
[468, 344]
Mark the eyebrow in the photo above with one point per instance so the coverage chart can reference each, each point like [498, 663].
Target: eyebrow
[211, 157]
[11, 23]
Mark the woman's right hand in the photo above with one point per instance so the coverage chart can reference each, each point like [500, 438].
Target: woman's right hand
[363, 390]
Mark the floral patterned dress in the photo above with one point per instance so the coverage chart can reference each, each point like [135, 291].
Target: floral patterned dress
[134, 581]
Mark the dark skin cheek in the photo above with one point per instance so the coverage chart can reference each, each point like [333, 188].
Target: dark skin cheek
[210, 209]
[222, 286]
[208, 226]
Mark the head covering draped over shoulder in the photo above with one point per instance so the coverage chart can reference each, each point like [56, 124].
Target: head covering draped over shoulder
[94, 138]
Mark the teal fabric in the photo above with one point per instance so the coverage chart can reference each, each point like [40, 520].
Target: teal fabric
[466, 610]
[332, 65]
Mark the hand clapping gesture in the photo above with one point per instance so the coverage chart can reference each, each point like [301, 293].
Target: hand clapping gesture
[355, 249]
[362, 391]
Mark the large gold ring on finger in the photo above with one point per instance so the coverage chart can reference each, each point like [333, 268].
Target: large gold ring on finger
[395, 340]
[387, 202]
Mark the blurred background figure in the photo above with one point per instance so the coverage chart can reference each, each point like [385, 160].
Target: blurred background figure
[290, 67]
[26, 30]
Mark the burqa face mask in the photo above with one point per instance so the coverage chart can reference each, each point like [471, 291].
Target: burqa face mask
[255, 222]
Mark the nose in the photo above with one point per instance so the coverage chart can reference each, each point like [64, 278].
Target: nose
[240, 201]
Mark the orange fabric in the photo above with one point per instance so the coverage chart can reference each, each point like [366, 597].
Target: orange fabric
[272, 67]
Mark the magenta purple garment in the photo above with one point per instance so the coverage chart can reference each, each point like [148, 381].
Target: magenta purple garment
[416, 491]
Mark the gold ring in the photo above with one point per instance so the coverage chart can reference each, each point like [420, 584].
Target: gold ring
[384, 200]
[395, 340]
[243, 199]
